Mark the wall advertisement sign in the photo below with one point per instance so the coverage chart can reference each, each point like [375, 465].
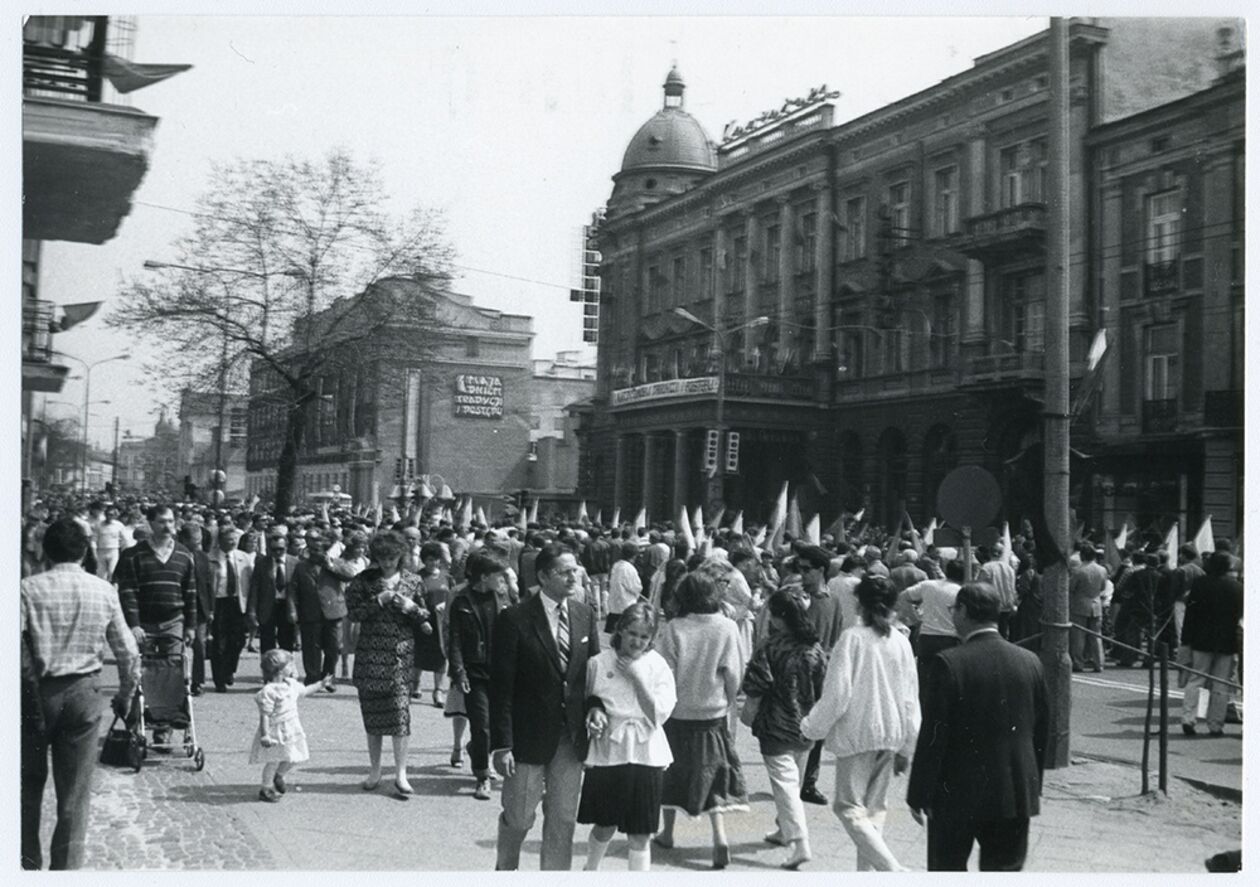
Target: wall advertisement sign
[478, 396]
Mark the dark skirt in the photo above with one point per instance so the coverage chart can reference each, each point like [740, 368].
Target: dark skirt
[627, 796]
[386, 714]
[706, 776]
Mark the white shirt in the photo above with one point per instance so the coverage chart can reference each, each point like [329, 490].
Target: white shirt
[109, 535]
[935, 599]
[552, 609]
[632, 736]
[624, 586]
[841, 588]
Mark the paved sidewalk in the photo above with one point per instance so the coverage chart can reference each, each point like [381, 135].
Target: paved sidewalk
[170, 817]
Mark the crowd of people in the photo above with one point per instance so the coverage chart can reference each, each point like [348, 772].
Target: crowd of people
[603, 672]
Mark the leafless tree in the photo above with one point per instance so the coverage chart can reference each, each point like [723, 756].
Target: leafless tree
[268, 274]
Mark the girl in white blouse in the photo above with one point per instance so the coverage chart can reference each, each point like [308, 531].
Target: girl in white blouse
[630, 693]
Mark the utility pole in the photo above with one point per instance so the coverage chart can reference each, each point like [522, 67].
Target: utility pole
[113, 472]
[1056, 418]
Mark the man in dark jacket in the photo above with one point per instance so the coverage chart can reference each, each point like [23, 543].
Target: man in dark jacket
[981, 749]
[1213, 610]
[191, 537]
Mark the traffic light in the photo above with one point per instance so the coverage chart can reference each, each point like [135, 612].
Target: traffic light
[732, 452]
[712, 443]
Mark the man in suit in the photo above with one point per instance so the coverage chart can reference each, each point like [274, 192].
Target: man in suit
[981, 750]
[319, 598]
[537, 698]
[190, 536]
[1085, 589]
[271, 609]
[231, 571]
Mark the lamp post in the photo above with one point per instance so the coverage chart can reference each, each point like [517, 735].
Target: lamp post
[87, 394]
[716, 490]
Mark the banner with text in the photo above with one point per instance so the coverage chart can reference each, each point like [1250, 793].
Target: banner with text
[669, 388]
[479, 396]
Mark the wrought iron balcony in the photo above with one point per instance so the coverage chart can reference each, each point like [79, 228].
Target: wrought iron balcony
[62, 57]
[1002, 369]
[1159, 416]
[998, 234]
[39, 371]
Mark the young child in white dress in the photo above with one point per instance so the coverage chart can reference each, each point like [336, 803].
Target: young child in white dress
[280, 741]
[630, 693]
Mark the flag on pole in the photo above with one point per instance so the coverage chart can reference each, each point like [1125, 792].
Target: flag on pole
[738, 526]
[1204, 542]
[836, 530]
[520, 520]
[717, 520]
[128, 76]
[779, 515]
[466, 513]
[793, 524]
[857, 518]
[1172, 542]
[697, 520]
[446, 494]
[616, 521]
[1122, 538]
[533, 512]
[685, 525]
[1093, 373]
[481, 515]
[582, 516]
[640, 520]
[425, 491]
[813, 531]
[73, 315]
[759, 538]
[599, 517]
[929, 533]
[1009, 556]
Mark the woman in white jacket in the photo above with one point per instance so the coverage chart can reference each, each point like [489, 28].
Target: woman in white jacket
[868, 713]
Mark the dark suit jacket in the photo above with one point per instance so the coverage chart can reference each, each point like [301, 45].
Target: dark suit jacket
[532, 703]
[982, 745]
[262, 590]
[205, 590]
[318, 592]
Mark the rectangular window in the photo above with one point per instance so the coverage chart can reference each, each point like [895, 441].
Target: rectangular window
[941, 341]
[893, 349]
[236, 427]
[774, 249]
[472, 346]
[1163, 363]
[739, 264]
[850, 339]
[654, 289]
[706, 273]
[809, 242]
[1023, 172]
[946, 209]
[899, 212]
[1163, 227]
[1025, 305]
[855, 229]
[678, 283]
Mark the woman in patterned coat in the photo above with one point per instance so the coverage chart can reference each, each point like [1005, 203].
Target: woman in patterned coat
[388, 604]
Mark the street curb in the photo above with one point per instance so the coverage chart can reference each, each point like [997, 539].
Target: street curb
[1221, 792]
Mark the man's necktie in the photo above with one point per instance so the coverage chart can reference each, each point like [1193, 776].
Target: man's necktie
[562, 635]
[280, 579]
[231, 579]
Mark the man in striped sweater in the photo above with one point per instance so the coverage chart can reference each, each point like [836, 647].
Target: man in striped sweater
[157, 583]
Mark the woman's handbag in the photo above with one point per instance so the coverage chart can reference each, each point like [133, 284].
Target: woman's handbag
[123, 747]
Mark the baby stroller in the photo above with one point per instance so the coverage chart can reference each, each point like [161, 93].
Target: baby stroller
[163, 703]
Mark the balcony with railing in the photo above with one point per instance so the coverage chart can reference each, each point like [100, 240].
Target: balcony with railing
[1020, 228]
[82, 157]
[1159, 416]
[40, 371]
[1015, 367]
[889, 386]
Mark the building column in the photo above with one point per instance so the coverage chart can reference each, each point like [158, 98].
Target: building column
[721, 262]
[682, 465]
[621, 472]
[824, 263]
[750, 279]
[651, 474]
[786, 280]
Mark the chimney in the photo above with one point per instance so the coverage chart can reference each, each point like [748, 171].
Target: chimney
[1229, 53]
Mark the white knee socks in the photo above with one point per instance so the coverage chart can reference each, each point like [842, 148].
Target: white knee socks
[640, 860]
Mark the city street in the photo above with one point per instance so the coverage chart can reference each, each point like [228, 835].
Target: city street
[170, 817]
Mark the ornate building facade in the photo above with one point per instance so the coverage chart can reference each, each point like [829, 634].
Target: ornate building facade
[861, 303]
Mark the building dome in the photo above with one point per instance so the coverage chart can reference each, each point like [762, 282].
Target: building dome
[672, 138]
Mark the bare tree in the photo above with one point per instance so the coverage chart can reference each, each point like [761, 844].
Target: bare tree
[265, 275]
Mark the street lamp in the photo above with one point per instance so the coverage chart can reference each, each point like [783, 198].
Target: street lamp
[87, 394]
[716, 479]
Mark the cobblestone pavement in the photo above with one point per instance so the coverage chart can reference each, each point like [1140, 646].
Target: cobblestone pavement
[170, 817]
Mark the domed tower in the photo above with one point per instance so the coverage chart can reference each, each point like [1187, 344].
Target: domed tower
[668, 155]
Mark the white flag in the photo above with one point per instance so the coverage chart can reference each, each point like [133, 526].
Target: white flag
[1204, 542]
[929, 532]
[813, 531]
[640, 519]
[685, 529]
[738, 526]
[1172, 542]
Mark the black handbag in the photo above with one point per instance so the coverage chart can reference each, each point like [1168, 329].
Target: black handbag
[122, 747]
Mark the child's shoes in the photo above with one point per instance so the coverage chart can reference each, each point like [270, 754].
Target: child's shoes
[268, 794]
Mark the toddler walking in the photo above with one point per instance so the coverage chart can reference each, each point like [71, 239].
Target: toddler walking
[280, 741]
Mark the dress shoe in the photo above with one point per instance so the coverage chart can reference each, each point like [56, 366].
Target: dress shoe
[1220, 732]
[721, 856]
[371, 783]
[1187, 729]
[230, 681]
[220, 688]
[195, 690]
[811, 795]
[439, 699]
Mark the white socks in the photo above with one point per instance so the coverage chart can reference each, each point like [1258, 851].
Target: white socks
[641, 860]
[595, 851]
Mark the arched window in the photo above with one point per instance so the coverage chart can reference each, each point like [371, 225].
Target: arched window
[940, 457]
[892, 477]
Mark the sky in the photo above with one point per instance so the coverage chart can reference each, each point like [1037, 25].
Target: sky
[512, 127]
